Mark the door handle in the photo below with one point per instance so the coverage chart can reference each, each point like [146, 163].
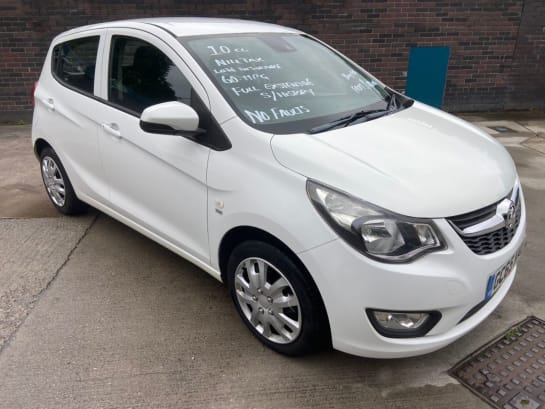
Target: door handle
[112, 129]
[49, 103]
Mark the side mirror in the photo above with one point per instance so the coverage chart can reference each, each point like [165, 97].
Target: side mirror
[171, 118]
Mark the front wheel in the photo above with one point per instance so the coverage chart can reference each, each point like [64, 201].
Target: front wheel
[276, 300]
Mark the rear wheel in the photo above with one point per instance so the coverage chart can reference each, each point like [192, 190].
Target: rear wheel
[276, 300]
[57, 185]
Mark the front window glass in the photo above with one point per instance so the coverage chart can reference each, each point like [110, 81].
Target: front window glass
[141, 75]
[284, 83]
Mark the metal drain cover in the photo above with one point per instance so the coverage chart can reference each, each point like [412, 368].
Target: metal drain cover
[508, 372]
[501, 129]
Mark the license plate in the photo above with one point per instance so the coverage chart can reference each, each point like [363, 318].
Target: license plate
[496, 280]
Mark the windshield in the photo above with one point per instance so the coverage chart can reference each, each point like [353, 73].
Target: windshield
[285, 83]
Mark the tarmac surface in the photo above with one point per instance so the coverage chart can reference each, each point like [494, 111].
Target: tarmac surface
[95, 315]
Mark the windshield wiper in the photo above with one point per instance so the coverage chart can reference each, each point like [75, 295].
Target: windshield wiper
[392, 102]
[358, 117]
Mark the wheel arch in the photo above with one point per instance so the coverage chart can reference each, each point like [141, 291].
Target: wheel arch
[240, 234]
[39, 145]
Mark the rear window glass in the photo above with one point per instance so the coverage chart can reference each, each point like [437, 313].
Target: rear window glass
[74, 63]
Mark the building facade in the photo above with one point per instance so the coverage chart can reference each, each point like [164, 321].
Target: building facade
[497, 47]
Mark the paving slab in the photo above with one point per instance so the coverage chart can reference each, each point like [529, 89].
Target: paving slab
[511, 127]
[536, 126]
[21, 190]
[517, 116]
[537, 143]
[31, 254]
[511, 140]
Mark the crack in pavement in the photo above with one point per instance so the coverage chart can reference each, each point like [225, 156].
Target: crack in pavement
[37, 297]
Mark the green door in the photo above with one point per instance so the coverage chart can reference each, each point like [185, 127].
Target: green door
[427, 74]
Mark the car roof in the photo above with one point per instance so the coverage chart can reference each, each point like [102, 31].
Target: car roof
[192, 26]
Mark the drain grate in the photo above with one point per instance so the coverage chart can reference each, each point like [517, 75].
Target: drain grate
[508, 372]
[501, 129]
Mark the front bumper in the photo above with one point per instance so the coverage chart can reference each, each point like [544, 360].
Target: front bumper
[452, 281]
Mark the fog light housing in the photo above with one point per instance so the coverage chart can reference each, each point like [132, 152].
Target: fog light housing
[403, 324]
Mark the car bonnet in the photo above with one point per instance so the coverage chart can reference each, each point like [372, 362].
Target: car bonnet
[419, 162]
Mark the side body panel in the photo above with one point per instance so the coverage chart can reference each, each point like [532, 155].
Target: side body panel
[65, 119]
[248, 187]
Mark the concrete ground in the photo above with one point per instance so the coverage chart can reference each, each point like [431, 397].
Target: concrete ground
[94, 315]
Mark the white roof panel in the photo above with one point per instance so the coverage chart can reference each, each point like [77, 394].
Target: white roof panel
[190, 26]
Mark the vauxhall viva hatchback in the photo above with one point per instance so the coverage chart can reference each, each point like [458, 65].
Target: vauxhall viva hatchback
[337, 210]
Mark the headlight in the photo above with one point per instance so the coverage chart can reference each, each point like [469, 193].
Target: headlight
[375, 232]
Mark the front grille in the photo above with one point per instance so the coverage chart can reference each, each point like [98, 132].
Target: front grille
[489, 242]
[469, 219]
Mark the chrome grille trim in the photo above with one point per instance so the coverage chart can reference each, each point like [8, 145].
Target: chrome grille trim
[493, 226]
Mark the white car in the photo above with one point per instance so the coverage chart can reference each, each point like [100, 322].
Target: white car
[336, 210]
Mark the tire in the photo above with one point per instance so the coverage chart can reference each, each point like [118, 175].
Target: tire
[282, 307]
[57, 184]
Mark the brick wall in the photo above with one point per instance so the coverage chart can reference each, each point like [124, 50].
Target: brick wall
[527, 79]
[497, 46]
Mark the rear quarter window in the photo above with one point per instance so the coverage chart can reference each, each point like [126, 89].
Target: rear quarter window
[74, 63]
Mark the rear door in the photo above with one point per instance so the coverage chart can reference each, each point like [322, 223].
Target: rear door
[65, 110]
[157, 181]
